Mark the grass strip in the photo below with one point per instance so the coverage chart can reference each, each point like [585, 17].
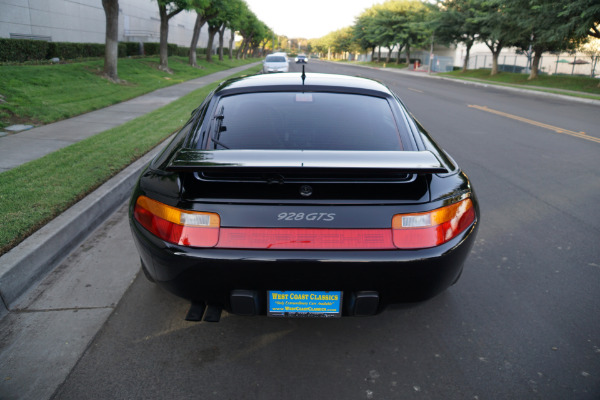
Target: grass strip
[41, 94]
[375, 64]
[36, 192]
[560, 84]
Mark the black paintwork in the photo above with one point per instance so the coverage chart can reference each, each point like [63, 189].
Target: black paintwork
[254, 198]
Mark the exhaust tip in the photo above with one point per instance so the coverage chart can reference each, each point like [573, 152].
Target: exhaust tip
[196, 312]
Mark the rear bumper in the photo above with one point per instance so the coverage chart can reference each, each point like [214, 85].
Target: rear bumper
[211, 275]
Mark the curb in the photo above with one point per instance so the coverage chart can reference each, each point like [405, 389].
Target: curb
[29, 262]
[524, 91]
[424, 74]
[501, 87]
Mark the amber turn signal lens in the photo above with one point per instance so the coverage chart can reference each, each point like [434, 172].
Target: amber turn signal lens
[433, 228]
[188, 228]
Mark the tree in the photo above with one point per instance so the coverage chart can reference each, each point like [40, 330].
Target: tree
[455, 23]
[533, 17]
[583, 18]
[203, 13]
[167, 9]
[246, 29]
[365, 31]
[386, 19]
[111, 49]
[228, 14]
[213, 28]
[231, 39]
[411, 24]
[401, 23]
[497, 27]
[592, 50]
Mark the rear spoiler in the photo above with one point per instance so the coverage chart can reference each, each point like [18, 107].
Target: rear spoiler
[414, 162]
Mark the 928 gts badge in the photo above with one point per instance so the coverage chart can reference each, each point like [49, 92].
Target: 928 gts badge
[292, 216]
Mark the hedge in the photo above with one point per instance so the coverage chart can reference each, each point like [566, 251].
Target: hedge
[70, 50]
[21, 50]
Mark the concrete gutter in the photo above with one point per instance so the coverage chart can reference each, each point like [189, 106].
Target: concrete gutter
[29, 262]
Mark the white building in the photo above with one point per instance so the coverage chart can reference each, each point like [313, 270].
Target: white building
[84, 21]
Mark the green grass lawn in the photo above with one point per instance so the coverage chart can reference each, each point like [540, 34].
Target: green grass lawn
[34, 193]
[40, 94]
[547, 82]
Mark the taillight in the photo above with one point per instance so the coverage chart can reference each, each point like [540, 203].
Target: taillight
[188, 228]
[433, 228]
[202, 229]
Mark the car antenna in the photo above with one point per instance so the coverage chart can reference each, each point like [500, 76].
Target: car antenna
[303, 75]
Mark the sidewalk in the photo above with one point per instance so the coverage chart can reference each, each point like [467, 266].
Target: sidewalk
[19, 148]
[26, 264]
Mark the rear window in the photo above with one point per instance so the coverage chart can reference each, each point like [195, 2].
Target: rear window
[275, 59]
[304, 121]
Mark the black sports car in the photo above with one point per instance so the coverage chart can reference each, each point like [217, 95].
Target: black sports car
[302, 195]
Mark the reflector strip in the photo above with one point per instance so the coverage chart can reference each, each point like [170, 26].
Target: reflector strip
[314, 239]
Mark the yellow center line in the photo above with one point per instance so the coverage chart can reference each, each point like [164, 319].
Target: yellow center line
[581, 135]
[416, 90]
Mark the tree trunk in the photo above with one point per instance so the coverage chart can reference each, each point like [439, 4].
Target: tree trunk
[212, 31]
[164, 39]
[200, 21]
[495, 56]
[164, 36]
[466, 62]
[238, 53]
[247, 48]
[379, 54]
[221, 33]
[389, 55]
[535, 65]
[373, 54]
[495, 48]
[231, 39]
[398, 56]
[111, 49]
[407, 54]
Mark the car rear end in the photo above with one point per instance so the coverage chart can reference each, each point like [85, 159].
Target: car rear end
[281, 214]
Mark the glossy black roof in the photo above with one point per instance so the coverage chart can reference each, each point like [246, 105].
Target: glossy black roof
[312, 82]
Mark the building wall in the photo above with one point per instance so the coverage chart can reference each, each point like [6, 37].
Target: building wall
[84, 21]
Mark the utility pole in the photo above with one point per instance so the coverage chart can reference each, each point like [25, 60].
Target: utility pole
[430, 56]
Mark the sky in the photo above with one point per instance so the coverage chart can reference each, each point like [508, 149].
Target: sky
[309, 19]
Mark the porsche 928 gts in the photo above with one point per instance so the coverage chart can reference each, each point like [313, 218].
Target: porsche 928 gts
[302, 195]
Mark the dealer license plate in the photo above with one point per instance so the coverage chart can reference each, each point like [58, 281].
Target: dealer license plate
[295, 303]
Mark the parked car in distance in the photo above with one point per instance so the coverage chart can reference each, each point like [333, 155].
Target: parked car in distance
[301, 58]
[302, 195]
[277, 62]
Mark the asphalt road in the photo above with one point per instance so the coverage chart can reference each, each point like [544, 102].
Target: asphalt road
[522, 323]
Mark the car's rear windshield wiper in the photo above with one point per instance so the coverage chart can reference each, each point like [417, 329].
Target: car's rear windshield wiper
[219, 143]
[218, 129]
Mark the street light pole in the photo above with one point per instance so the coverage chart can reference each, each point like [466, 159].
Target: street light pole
[430, 56]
